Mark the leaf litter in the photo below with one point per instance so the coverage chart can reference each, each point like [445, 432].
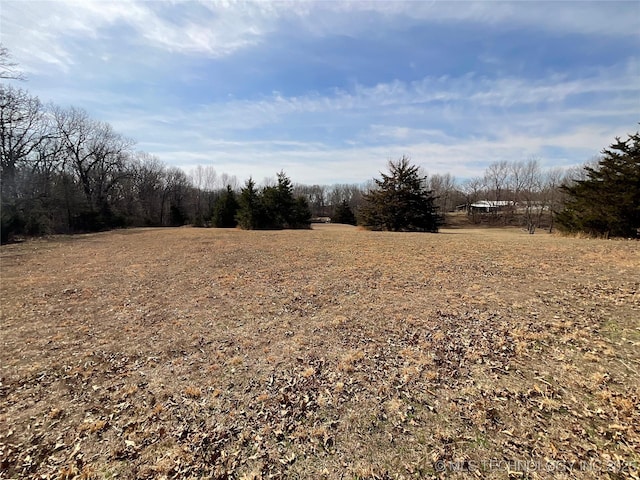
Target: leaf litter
[331, 353]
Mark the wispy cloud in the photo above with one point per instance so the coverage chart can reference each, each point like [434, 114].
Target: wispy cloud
[215, 29]
[465, 124]
[429, 97]
[219, 29]
[326, 165]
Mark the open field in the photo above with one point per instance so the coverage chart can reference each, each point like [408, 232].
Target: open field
[331, 353]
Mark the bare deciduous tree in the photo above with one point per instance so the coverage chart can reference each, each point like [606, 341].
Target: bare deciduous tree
[23, 128]
[443, 187]
[174, 194]
[526, 185]
[316, 196]
[8, 68]
[552, 195]
[473, 189]
[210, 178]
[94, 153]
[148, 173]
[197, 178]
[495, 179]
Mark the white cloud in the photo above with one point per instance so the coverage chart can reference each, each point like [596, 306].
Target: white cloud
[452, 124]
[447, 99]
[37, 32]
[325, 164]
[462, 96]
[620, 17]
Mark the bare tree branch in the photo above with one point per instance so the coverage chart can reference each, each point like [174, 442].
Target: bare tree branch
[8, 69]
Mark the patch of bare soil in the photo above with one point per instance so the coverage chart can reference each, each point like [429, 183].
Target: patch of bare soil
[330, 353]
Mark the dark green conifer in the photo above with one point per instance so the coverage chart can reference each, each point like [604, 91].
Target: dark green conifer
[344, 214]
[250, 214]
[607, 202]
[226, 209]
[401, 201]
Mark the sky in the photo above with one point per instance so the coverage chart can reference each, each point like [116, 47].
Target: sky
[331, 91]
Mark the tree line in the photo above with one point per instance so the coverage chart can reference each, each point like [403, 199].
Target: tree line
[63, 172]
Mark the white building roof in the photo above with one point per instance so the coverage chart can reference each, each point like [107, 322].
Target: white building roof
[491, 203]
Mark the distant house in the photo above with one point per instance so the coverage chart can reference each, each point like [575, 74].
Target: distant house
[487, 206]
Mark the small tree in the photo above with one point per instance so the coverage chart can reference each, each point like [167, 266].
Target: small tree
[225, 210]
[401, 201]
[344, 214]
[607, 201]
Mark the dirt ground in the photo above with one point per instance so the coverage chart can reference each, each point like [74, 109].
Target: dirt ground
[330, 353]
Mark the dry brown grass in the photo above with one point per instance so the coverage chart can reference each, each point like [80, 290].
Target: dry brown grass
[331, 353]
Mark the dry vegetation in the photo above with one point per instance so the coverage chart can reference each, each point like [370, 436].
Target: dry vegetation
[331, 353]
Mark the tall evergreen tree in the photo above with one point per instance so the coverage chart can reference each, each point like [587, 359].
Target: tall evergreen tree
[607, 201]
[285, 198]
[274, 213]
[250, 214]
[225, 210]
[279, 203]
[401, 201]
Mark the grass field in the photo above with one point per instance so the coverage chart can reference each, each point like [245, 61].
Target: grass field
[330, 353]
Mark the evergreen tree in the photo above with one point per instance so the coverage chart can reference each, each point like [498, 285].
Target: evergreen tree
[281, 209]
[177, 217]
[250, 214]
[286, 201]
[401, 201]
[274, 214]
[225, 210]
[301, 214]
[279, 203]
[344, 214]
[607, 201]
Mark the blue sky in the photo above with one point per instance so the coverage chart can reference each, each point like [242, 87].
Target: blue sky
[330, 91]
